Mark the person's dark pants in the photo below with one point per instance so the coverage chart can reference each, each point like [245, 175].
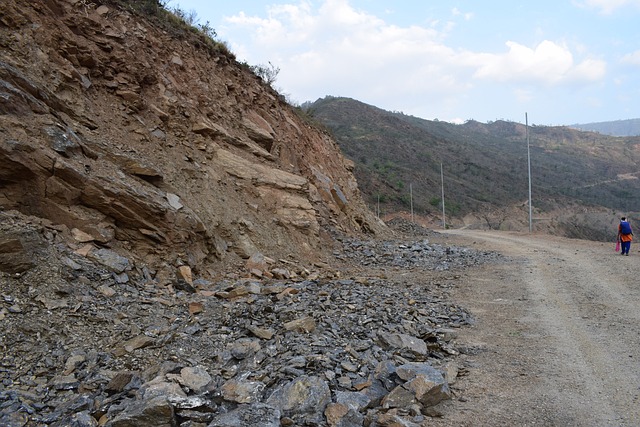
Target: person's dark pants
[625, 247]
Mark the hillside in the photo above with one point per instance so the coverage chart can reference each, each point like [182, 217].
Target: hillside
[485, 169]
[629, 127]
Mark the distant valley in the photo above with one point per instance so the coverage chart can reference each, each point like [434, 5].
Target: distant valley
[581, 180]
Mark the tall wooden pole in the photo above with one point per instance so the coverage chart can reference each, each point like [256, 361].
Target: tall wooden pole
[526, 119]
[444, 223]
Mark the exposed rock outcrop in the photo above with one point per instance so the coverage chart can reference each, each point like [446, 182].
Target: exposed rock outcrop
[152, 146]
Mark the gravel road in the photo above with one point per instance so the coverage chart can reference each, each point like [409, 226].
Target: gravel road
[556, 336]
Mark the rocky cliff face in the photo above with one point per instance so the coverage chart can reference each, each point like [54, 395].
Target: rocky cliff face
[117, 134]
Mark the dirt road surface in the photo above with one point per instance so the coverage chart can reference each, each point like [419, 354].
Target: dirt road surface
[557, 334]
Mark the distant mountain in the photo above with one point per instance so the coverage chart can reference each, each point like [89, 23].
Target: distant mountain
[630, 127]
[397, 162]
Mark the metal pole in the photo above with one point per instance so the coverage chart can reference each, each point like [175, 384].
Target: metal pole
[444, 223]
[411, 199]
[526, 119]
[378, 209]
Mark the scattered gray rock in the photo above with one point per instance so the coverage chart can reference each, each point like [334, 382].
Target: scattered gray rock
[315, 346]
[259, 415]
[110, 259]
[157, 412]
[305, 398]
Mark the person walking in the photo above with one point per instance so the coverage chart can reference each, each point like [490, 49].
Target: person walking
[625, 236]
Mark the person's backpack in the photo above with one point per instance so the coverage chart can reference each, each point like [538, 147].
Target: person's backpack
[625, 227]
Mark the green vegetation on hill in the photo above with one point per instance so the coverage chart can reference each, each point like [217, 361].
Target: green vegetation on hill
[485, 165]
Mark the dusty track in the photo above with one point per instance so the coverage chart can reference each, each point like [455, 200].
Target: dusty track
[557, 335]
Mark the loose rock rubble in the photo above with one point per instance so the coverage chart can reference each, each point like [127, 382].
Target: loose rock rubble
[142, 176]
[408, 228]
[410, 254]
[94, 339]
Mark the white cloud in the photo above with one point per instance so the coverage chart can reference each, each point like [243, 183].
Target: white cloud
[346, 47]
[548, 63]
[288, 24]
[340, 13]
[340, 51]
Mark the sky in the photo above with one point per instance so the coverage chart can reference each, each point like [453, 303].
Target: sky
[559, 62]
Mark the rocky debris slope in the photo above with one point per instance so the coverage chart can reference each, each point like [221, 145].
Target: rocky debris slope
[93, 339]
[179, 248]
[140, 140]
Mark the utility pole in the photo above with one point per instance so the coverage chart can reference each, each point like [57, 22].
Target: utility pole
[526, 119]
[444, 224]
